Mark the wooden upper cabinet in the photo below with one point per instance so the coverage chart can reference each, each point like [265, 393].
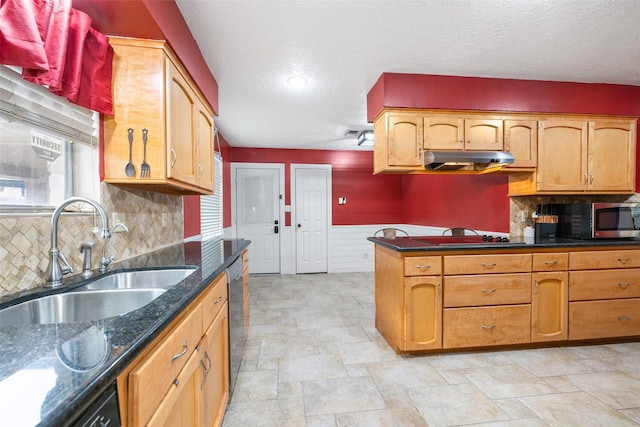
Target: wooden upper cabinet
[443, 133]
[483, 134]
[521, 140]
[405, 141]
[181, 117]
[562, 155]
[611, 155]
[453, 132]
[152, 90]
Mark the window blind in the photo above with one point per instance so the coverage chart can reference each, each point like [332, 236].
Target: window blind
[211, 206]
[28, 102]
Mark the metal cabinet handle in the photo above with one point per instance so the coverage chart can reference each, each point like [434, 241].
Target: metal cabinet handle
[623, 285]
[488, 291]
[439, 291]
[185, 348]
[486, 265]
[487, 326]
[535, 287]
[591, 177]
[175, 157]
[624, 260]
[550, 263]
[423, 267]
[585, 178]
[201, 169]
[217, 300]
[624, 318]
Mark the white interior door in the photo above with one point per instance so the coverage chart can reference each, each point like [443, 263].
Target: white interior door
[311, 219]
[258, 215]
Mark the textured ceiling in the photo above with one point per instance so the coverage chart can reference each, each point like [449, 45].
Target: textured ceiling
[342, 47]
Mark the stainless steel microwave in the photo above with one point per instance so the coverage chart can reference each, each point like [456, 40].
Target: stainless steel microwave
[598, 220]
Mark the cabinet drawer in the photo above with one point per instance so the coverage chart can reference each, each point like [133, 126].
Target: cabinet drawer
[484, 326]
[603, 319]
[483, 264]
[487, 289]
[604, 284]
[550, 261]
[213, 299]
[422, 266]
[152, 378]
[604, 259]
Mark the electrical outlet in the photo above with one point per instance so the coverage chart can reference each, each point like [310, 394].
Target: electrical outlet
[165, 219]
[523, 216]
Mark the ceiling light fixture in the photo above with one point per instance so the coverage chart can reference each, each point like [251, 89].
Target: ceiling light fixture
[365, 137]
[297, 81]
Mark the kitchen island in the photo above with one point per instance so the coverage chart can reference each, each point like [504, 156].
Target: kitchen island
[448, 297]
[50, 373]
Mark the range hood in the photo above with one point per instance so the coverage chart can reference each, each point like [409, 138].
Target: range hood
[455, 160]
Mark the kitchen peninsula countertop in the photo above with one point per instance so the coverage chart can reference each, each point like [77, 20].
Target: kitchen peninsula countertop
[38, 388]
[416, 244]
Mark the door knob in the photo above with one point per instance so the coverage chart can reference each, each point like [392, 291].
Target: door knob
[276, 229]
[299, 225]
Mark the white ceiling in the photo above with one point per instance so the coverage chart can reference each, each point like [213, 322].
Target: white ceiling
[342, 47]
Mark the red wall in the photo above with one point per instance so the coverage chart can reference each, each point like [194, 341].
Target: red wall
[370, 199]
[473, 201]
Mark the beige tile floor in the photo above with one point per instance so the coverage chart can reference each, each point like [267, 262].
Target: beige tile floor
[314, 358]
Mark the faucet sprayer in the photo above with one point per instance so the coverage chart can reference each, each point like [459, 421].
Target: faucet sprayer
[55, 271]
[106, 258]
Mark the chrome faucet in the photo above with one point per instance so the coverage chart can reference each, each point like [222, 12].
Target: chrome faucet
[55, 271]
[106, 258]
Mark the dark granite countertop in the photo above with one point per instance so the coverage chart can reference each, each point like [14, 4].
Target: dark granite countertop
[418, 243]
[50, 373]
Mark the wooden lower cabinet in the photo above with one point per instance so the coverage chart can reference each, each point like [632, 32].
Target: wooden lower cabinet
[603, 319]
[550, 296]
[183, 377]
[423, 315]
[214, 364]
[486, 326]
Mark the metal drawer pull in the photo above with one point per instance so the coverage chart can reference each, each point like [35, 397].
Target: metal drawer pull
[624, 318]
[176, 382]
[623, 285]
[439, 291]
[624, 260]
[488, 291]
[175, 157]
[535, 287]
[486, 265]
[550, 263]
[423, 267]
[182, 353]
[487, 326]
[217, 300]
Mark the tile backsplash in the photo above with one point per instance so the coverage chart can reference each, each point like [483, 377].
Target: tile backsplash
[25, 240]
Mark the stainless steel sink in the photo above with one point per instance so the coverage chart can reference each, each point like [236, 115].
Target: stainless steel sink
[140, 279]
[77, 306]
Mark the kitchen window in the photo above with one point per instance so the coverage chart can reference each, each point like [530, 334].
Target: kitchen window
[48, 147]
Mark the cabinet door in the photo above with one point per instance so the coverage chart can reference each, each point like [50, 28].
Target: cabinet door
[205, 147]
[214, 386]
[181, 117]
[423, 313]
[180, 406]
[405, 141]
[562, 156]
[443, 133]
[612, 155]
[549, 306]
[483, 134]
[521, 140]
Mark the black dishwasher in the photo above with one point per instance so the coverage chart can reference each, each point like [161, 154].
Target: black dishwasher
[236, 321]
[102, 412]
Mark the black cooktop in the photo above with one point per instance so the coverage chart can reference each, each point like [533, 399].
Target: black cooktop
[462, 240]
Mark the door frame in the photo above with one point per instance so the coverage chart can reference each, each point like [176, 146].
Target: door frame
[294, 241]
[234, 182]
